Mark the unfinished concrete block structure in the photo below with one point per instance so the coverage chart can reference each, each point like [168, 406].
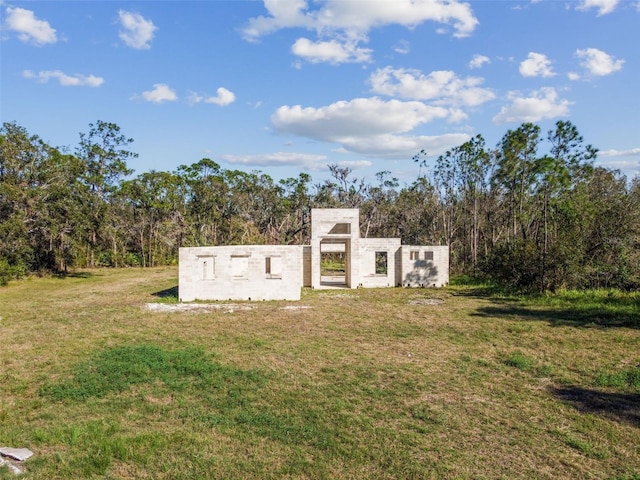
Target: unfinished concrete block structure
[278, 272]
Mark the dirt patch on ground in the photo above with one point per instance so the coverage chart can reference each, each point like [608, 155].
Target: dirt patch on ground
[425, 301]
[196, 307]
[205, 307]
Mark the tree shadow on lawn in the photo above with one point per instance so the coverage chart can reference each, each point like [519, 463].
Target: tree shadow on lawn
[562, 316]
[63, 275]
[622, 311]
[622, 407]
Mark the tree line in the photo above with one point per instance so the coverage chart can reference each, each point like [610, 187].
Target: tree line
[511, 214]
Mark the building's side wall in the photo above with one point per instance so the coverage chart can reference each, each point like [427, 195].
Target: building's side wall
[242, 272]
[424, 266]
[306, 265]
[398, 263]
[369, 249]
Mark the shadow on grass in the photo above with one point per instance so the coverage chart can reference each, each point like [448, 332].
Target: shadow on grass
[490, 292]
[167, 293]
[63, 275]
[563, 316]
[621, 407]
[588, 309]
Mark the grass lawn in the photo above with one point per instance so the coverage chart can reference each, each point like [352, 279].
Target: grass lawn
[454, 383]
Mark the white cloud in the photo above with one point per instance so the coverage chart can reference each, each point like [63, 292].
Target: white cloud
[478, 61]
[360, 16]
[279, 159]
[331, 51]
[29, 28]
[456, 115]
[402, 47]
[281, 15]
[223, 98]
[542, 104]
[354, 118]
[404, 146]
[536, 65]
[137, 32]
[598, 62]
[366, 125]
[603, 6]
[160, 93]
[342, 25]
[443, 86]
[76, 80]
[353, 163]
[619, 153]
[629, 168]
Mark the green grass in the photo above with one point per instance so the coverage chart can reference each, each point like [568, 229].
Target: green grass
[628, 378]
[380, 383]
[519, 361]
[333, 264]
[118, 369]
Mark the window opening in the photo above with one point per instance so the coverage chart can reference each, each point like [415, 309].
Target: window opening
[240, 266]
[341, 229]
[273, 267]
[381, 263]
[414, 255]
[428, 255]
[207, 267]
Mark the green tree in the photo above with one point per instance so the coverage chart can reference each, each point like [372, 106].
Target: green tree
[515, 175]
[104, 152]
[341, 190]
[208, 203]
[40, 202]
[416, 214]
[21, 155]
[377, 208]
[156, 203]
[569, 163]
[297, 202]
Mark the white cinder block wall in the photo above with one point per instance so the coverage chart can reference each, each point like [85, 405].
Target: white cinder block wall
[306, 265]
[369, 247]
[278, 272]
[330, 226]
[424, 266]
[251, 272]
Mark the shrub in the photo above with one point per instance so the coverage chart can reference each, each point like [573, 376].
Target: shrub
[10, 272]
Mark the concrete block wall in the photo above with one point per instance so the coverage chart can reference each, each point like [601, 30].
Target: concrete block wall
[329, 227]
[240, 272]
[278, 272]
[368, 247]
[424, 266]
[306, 265]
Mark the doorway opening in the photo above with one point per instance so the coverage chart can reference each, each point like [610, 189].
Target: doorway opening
[335, 268]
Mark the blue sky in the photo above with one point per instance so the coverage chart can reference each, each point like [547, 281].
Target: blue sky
[289, 86]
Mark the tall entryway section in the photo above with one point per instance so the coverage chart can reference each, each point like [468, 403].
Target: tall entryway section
[334, 238]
